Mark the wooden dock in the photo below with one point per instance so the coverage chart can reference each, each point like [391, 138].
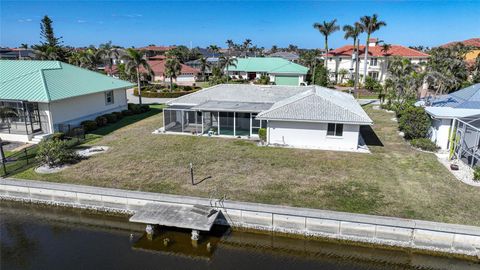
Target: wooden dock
[197, 217]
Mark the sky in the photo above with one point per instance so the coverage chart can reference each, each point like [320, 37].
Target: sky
[266, 23]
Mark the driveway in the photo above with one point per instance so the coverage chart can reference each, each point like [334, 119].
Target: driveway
[134, 99]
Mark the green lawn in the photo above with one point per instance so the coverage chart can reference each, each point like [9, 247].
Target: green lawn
[395, 180]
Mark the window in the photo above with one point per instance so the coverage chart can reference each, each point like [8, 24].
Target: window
[335, 130]
[373, 62]
[109, 97]
[373, 74]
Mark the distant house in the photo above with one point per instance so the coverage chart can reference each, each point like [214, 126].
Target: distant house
[472, 55]
[188, 74]
[16, 54]
[38, 98]
[290, 56]
[445, 109]
[155, 50]
[309, 117]
[341, 58]
[280, 71]
[212, 61]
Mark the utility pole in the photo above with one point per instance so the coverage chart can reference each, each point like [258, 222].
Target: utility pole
[357, 64]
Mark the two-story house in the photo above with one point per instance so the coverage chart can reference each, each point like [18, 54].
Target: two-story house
[343, 58]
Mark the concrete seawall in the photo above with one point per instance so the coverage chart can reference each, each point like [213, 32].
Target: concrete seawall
[416, 234]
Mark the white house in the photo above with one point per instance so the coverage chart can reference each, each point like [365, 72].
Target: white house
[38, 98]
[279, 70]
[310, 117]
[445, 110]
[343, 58]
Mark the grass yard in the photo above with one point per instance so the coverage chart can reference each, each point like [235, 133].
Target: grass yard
[395, 180]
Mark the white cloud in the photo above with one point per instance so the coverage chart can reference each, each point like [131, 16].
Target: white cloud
[24, 20]
[81, 21]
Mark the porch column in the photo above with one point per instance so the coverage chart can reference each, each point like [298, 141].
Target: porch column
[251, 125]
[450, 135]
[218, 122]
[182, 115]
[234, 127]
[202, 123]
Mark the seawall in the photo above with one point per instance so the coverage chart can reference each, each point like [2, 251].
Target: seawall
[380, 230]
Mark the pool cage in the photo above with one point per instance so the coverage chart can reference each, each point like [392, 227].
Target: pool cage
[465, 140]
[186, 120]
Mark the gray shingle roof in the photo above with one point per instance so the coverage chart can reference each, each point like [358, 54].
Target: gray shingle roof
[466, 98]
[295, 103]
[318, 105]
[240, 93]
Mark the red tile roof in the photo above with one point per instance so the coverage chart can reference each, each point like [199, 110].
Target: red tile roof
[157, 57]
[395, 50]
[157, 48]
[475, 42]
[158, 67]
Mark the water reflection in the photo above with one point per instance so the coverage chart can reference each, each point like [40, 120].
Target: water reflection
[35, 237]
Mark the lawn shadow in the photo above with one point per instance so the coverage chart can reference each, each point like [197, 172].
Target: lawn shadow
[370, 137]
[198, 182]
[128, 120]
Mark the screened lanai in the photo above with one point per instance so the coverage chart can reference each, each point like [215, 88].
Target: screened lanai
[216, 118]
[466, 140]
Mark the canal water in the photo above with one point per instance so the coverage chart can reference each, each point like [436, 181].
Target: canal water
[40, 237]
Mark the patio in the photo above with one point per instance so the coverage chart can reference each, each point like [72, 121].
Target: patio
[20, 117]
[214, 120]
[466, 140]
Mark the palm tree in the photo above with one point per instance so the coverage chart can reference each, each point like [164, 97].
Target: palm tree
[385, 48]
[342, 73]
[213, 49]
[353, 31]
[370, 24]
[75, 58]
[90, 59]
[230, 45]
[173, 69]
[109, 51]
[204, 64]
[246, 45]
[326, 29]
[134, 60]
[225, 62]
[274, 49]
[47, 53]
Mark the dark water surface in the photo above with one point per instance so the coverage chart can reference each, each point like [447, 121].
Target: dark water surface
[38, 237]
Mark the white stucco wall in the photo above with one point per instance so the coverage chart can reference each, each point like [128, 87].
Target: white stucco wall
[77, 109]
[346, 61]
[311, 135]
[439, 132]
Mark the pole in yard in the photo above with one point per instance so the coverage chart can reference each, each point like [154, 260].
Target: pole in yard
[26, 154]
[191, 173]
[2, 158]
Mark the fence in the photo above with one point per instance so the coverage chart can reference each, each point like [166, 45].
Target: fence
[25, 158]
[17, 161]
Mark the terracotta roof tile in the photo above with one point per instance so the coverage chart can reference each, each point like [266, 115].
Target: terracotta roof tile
[395, 50]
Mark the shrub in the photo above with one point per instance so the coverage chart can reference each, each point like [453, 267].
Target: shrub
[55, 153]
[89, 125]
[372, 84]
[321, 76]
[135, 108]
[101, 121]
[145, 108]
[262, 134]
[414, 122]
[127, 112]
[58, 136]
[119, 115]
[476, 173]
[112, 118]
[164, 94]
[424, 144]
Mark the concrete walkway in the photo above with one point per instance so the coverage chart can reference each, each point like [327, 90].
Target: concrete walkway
[134, 99]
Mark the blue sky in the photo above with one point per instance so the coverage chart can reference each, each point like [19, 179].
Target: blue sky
[201, 23]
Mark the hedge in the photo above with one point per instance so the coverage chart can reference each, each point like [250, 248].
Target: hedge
[424, 144]
[175, 94]
[262, 133]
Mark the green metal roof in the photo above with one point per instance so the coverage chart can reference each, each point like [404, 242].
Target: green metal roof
[45, 81]
[269, 65]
